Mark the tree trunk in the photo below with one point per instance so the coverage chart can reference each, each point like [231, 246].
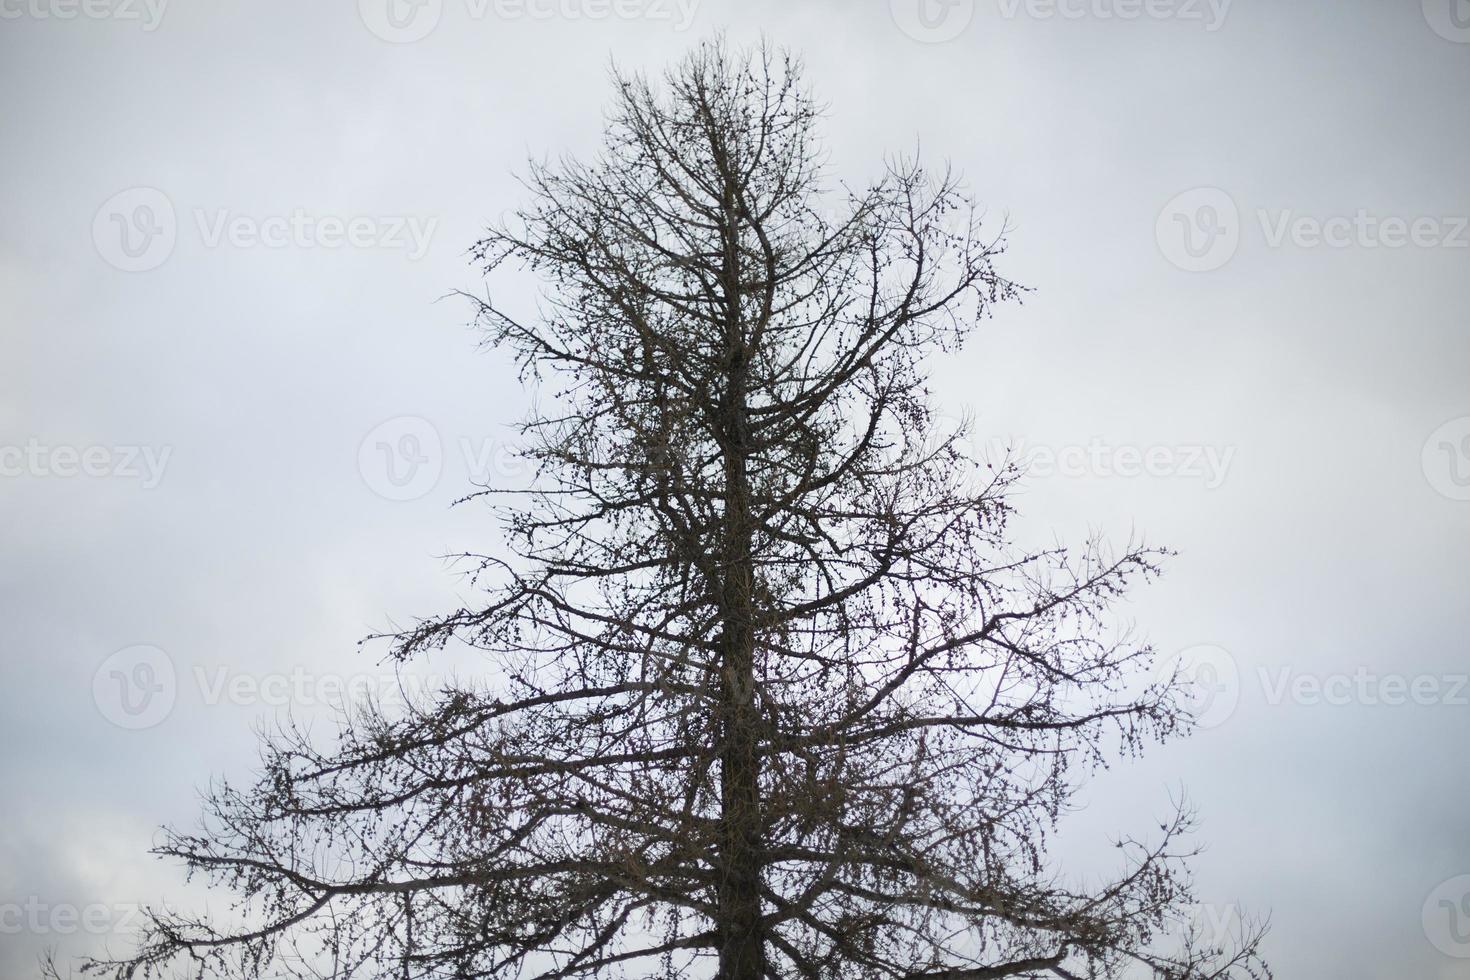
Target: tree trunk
[742, 947]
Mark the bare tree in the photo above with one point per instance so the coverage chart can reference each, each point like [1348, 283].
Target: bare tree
[772, 696]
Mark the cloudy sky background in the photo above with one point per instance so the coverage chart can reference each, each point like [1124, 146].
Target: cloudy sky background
[234, 520]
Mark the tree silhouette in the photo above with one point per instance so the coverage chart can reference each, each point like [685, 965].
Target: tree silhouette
[770, 694]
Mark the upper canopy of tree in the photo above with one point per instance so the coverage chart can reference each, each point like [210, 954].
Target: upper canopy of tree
[770, 691]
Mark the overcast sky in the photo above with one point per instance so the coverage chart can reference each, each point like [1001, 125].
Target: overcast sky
[232, 416]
